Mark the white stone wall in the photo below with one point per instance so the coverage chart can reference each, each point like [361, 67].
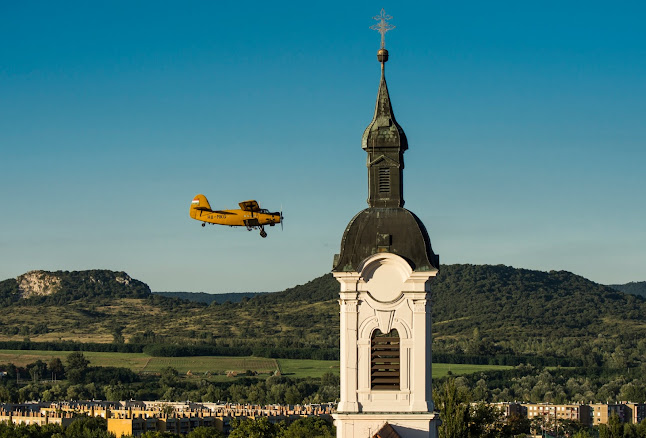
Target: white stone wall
[385, 294]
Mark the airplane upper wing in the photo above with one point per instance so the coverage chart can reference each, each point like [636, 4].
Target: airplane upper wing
[249, 205]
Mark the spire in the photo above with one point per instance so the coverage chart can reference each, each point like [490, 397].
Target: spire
[383, 130]
[383, 139]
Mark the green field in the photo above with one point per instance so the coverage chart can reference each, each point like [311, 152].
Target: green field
[442, 369]
[199, 365]
[140, 362]
[307, 367]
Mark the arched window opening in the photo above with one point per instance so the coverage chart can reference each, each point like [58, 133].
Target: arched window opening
[384, 360]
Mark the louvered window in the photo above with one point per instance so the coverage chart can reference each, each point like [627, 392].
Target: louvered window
[384, 180]
[384, 360]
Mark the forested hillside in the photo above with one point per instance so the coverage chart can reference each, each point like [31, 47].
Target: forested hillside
[483, 309]
[634, 287]
[479, 312]
[203, 297]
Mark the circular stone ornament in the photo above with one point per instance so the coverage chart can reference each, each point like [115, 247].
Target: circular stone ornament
[385, 280]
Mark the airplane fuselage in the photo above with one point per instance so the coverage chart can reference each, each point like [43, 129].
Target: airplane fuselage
[237, 218]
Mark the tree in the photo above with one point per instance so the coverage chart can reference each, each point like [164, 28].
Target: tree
[330, 379]
[293, 395]
[77, 360]
[76, 366]
[309, 427]
[205, 432]
[485, 421]
[77, 392]
[630, 431]
[615, 427]
[454, 409]
[169, 377]
[36, 370]
[260, 428]
[517, 424]
[117, 334]
[56, 368]
[641, 429]
[5, 395]
[159, 434]
[88, 427]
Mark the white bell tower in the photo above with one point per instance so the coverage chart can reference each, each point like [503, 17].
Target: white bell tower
[385, 269]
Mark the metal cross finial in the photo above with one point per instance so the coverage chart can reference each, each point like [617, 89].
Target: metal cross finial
[382, 27]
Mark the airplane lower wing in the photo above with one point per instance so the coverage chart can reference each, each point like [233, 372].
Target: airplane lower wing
[252, 222]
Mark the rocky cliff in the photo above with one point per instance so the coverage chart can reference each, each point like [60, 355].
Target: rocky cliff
[38, 283]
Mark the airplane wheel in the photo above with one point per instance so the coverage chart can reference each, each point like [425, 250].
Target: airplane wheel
[263, 233]
[203, 225]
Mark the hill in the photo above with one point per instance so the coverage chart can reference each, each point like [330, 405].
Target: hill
[634, 287]
[478, 310]
[488, 309]
[65, 286]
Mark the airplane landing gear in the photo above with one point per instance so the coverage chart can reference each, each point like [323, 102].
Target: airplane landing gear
[204, 224]
[263, 233]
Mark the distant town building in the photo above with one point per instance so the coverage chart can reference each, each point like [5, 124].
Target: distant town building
[137, 417]
[573, 412]
[592, 414]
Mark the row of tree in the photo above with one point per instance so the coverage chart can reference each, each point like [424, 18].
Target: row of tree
[582, 354]
[75, 379]
[556, 385]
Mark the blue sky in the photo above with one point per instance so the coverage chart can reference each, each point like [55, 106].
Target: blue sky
[525, 122]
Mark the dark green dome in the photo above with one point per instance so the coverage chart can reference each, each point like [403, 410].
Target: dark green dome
[393, 230]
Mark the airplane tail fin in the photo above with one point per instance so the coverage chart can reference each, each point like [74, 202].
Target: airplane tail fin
[198, 205]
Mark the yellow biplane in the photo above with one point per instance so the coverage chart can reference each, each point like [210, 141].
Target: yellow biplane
[250, 215]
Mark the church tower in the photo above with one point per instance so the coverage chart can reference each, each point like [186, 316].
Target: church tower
[385, 268]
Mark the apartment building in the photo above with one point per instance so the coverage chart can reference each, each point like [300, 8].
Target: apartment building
[28, 417]
[636, 412]
[600, 413]
[589, 414]
[137, 424]
[573, 412]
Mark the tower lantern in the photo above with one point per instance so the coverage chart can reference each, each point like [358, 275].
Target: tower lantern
[385, 268]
